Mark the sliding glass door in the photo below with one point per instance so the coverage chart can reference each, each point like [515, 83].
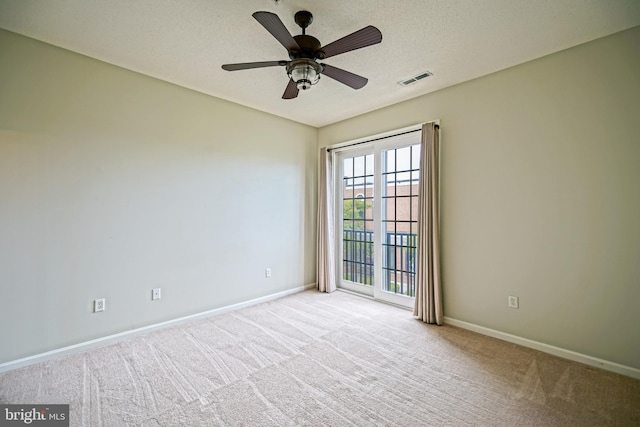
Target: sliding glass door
[376, 212]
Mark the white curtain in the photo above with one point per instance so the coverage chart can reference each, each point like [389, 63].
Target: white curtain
[428, 304]
[326, 269]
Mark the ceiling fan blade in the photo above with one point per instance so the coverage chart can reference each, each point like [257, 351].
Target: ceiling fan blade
[345, 77]
[248, 65]
[291, 91]
[362, 38]
[274, 25]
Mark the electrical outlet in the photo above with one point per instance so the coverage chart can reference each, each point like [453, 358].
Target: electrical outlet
[156, 294]
[267, 272]
[513, 302]
[99, 305]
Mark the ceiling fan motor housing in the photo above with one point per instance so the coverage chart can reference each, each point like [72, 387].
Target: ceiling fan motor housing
[309, 48]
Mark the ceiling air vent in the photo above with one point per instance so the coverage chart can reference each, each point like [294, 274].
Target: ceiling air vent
[414, 79]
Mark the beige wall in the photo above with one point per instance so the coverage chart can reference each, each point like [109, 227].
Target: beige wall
[113, 183]
[540, 195]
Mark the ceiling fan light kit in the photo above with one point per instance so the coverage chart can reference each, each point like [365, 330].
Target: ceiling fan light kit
[304, 72]
[304, 50]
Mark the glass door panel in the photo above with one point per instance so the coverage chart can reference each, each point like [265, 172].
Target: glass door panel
[399, 219]
[356, 209]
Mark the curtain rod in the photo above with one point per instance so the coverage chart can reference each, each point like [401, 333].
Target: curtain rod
[380, 138]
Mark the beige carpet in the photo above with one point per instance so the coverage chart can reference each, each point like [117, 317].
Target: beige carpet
[323, 360]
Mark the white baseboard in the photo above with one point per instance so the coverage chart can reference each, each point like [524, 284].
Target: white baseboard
[546, 348]
[112, 339]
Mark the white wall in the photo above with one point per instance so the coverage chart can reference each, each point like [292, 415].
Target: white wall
[540, 195]
[113, 183]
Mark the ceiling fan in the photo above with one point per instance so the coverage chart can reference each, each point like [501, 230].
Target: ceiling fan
[304, 50]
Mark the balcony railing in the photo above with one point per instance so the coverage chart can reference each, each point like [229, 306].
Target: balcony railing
[357, 256]
[398, 260]
[399, 263]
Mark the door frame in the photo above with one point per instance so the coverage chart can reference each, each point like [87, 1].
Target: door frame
[376, 146]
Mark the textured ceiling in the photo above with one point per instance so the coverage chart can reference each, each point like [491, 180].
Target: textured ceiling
[186, 42]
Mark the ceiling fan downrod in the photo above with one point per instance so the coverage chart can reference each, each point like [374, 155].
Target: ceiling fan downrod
[303, 18]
